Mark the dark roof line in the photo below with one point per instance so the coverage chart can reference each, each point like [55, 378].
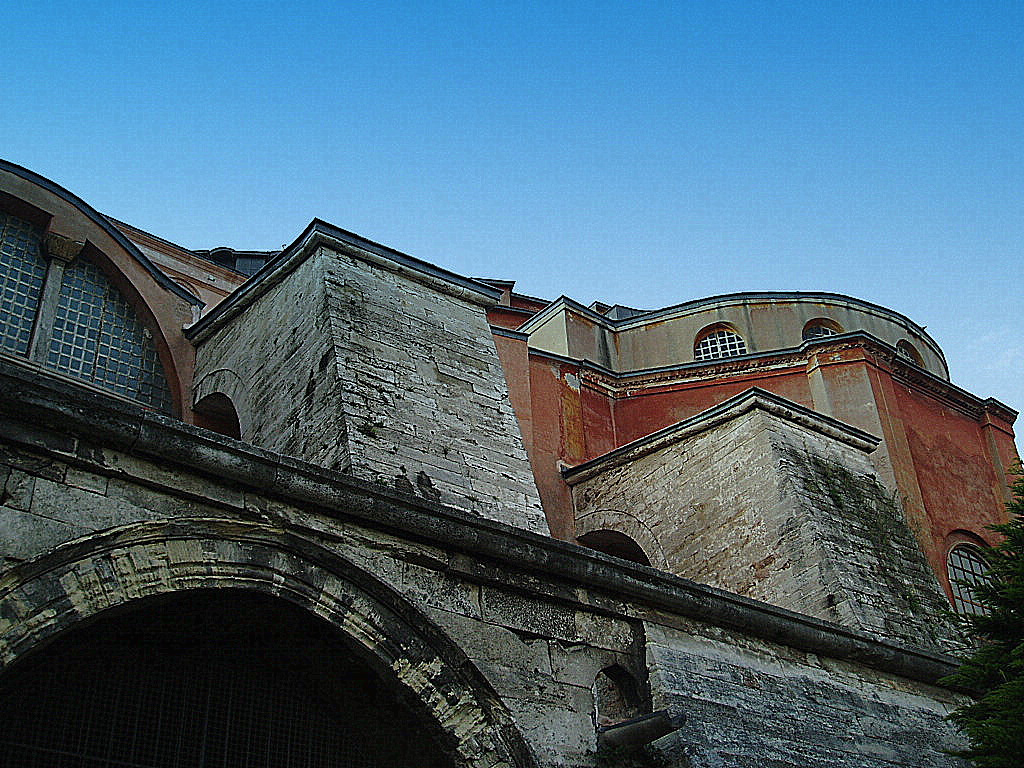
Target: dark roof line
[103, 223]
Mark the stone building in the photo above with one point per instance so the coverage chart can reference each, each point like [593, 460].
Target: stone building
[325, 506]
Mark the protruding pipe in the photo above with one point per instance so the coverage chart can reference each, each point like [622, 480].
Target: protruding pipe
[640, 730]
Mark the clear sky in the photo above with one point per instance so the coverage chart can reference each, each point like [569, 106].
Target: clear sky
[640, 153]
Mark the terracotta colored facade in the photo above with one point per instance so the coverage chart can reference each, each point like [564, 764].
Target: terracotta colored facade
[585, 381]
[945, 453]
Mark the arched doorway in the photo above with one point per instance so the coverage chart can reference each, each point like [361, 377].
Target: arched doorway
[149, 566]
[223, 678]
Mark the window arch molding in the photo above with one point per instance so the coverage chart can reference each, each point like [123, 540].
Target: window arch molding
[62, 310]
[718, 341]
[160, 304]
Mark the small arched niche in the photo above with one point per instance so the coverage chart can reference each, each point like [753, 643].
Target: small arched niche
[217, 413]
[615, 544]
[617, 696]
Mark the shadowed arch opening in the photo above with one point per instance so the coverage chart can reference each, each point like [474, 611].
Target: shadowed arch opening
[616, 544]
[83, 581]
[208, 677]
[216, 412]
[907, 351]
[617, 696]
[820, 327]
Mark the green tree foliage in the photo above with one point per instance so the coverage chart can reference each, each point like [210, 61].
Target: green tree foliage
[994, 723]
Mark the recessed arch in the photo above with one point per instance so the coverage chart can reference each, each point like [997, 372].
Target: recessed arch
[82, 581]
[633, 529]
[230, 386]
[616, 544]
[226, 677]
[216, 412]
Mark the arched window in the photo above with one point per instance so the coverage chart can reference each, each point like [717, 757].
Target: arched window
[718, 341]
[86, 330]
[22, 274]
[906, 351]
[966, 568]
[98, 337]
[816, 329]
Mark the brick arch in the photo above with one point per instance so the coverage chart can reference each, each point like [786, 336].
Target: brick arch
[627, 524]
[42, 598]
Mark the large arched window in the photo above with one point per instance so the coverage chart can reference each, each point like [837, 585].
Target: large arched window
[718, 341]
[967, 568]
[98, 337]
[22, 273]
[66, 315]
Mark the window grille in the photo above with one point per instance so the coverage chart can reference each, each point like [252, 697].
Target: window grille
[719, 343]
[97, 337]
[967, 569]
[22, 274]
[817, 332]
[906, 351]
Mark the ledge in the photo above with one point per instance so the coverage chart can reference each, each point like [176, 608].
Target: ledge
[65, 421]
[753, 398]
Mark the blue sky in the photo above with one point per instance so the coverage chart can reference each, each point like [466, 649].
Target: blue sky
[639, 153]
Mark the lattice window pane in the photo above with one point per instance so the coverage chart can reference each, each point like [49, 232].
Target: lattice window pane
[97, 337]
[22, 272]
[818, 331]
[967, 568]
[720, 343]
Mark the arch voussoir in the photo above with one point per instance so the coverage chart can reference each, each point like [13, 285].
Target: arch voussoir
[41, 599]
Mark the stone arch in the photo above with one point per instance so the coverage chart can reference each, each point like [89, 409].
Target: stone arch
[42, 598]
[216, 412]
[229, 385]
[615, 543]
[625, 524]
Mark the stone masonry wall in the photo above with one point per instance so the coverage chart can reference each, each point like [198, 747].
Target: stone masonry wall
[355, 367]
[279, 353]
[425, 394]
[772, 510]
[755, 705]
[538, 634]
